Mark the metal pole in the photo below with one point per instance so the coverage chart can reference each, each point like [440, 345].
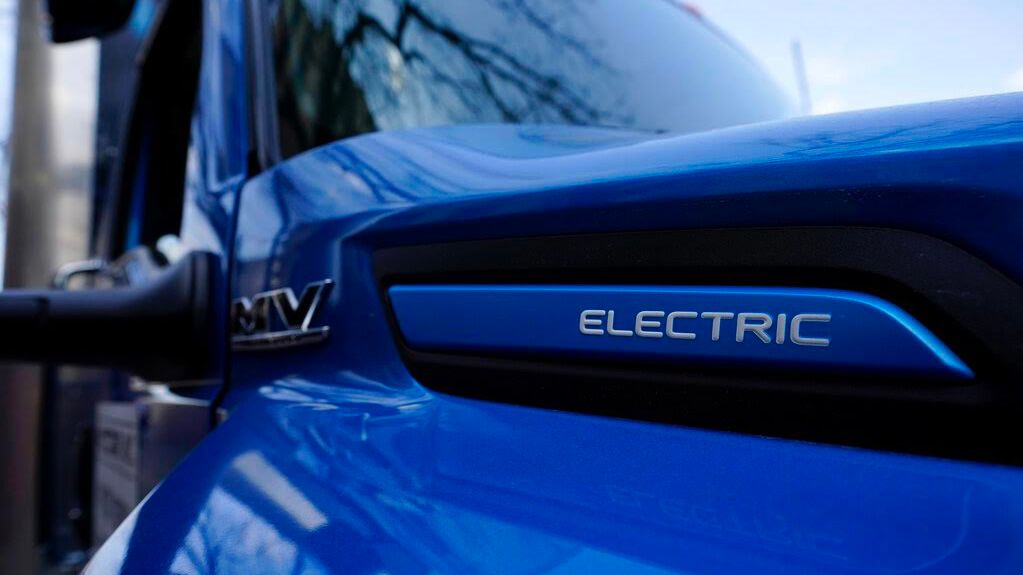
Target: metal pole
[805, 106]
[27, 262]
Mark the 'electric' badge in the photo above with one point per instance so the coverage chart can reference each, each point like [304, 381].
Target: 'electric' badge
[657, 324]
[755, 326]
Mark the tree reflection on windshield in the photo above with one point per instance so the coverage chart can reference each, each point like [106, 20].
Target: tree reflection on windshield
[345, 67]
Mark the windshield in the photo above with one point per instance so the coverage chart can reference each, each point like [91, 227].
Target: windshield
[345, 67]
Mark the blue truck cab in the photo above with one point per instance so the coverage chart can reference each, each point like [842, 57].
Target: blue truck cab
[502, 286]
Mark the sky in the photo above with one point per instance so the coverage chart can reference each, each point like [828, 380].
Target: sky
[8, 23]
[8, 26]
[873, 53]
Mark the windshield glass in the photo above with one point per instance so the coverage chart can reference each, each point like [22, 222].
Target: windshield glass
[345, 67]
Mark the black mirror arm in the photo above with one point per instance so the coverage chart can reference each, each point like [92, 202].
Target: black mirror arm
[161, 331]
[71, 20]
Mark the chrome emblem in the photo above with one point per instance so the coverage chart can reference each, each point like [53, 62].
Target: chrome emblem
[658, 324]
[252, 327]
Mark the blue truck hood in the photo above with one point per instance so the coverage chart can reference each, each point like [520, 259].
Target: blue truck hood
[337, 460]
[935, 168]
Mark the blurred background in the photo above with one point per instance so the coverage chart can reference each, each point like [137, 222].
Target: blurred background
[831, 56]
[48, 96]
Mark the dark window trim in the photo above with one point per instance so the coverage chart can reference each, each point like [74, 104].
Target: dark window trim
[168, 62]
[266, 145]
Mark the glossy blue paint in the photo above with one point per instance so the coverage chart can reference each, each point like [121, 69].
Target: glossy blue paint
[850, 332]
[934, 168]
[333, 458]
[348, 475]
[219, 137]
[141, 18]
[221, 124]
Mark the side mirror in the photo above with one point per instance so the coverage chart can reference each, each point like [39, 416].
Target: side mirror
[76, 19]
[164, 330]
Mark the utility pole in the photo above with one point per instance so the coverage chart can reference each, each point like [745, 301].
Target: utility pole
[28, 262]
[805, 106]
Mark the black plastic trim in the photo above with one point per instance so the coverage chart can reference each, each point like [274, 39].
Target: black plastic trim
[971, 306]
[163, 330]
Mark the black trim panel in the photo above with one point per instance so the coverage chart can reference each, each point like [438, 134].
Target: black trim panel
[972, 307]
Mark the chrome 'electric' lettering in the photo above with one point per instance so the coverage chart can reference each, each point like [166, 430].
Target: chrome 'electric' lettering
[685, 325]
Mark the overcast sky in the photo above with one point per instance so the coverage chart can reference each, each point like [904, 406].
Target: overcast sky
[7, 38]
[873, 53]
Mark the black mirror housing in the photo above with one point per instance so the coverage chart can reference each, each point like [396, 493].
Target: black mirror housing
[164, 330]
[72, 20]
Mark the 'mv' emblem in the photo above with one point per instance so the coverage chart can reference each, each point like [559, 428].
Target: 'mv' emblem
[252, 327]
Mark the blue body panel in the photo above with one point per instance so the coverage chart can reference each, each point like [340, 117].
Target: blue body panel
[220, 141]
[348, 475]
[334, 458]
[822, 329]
